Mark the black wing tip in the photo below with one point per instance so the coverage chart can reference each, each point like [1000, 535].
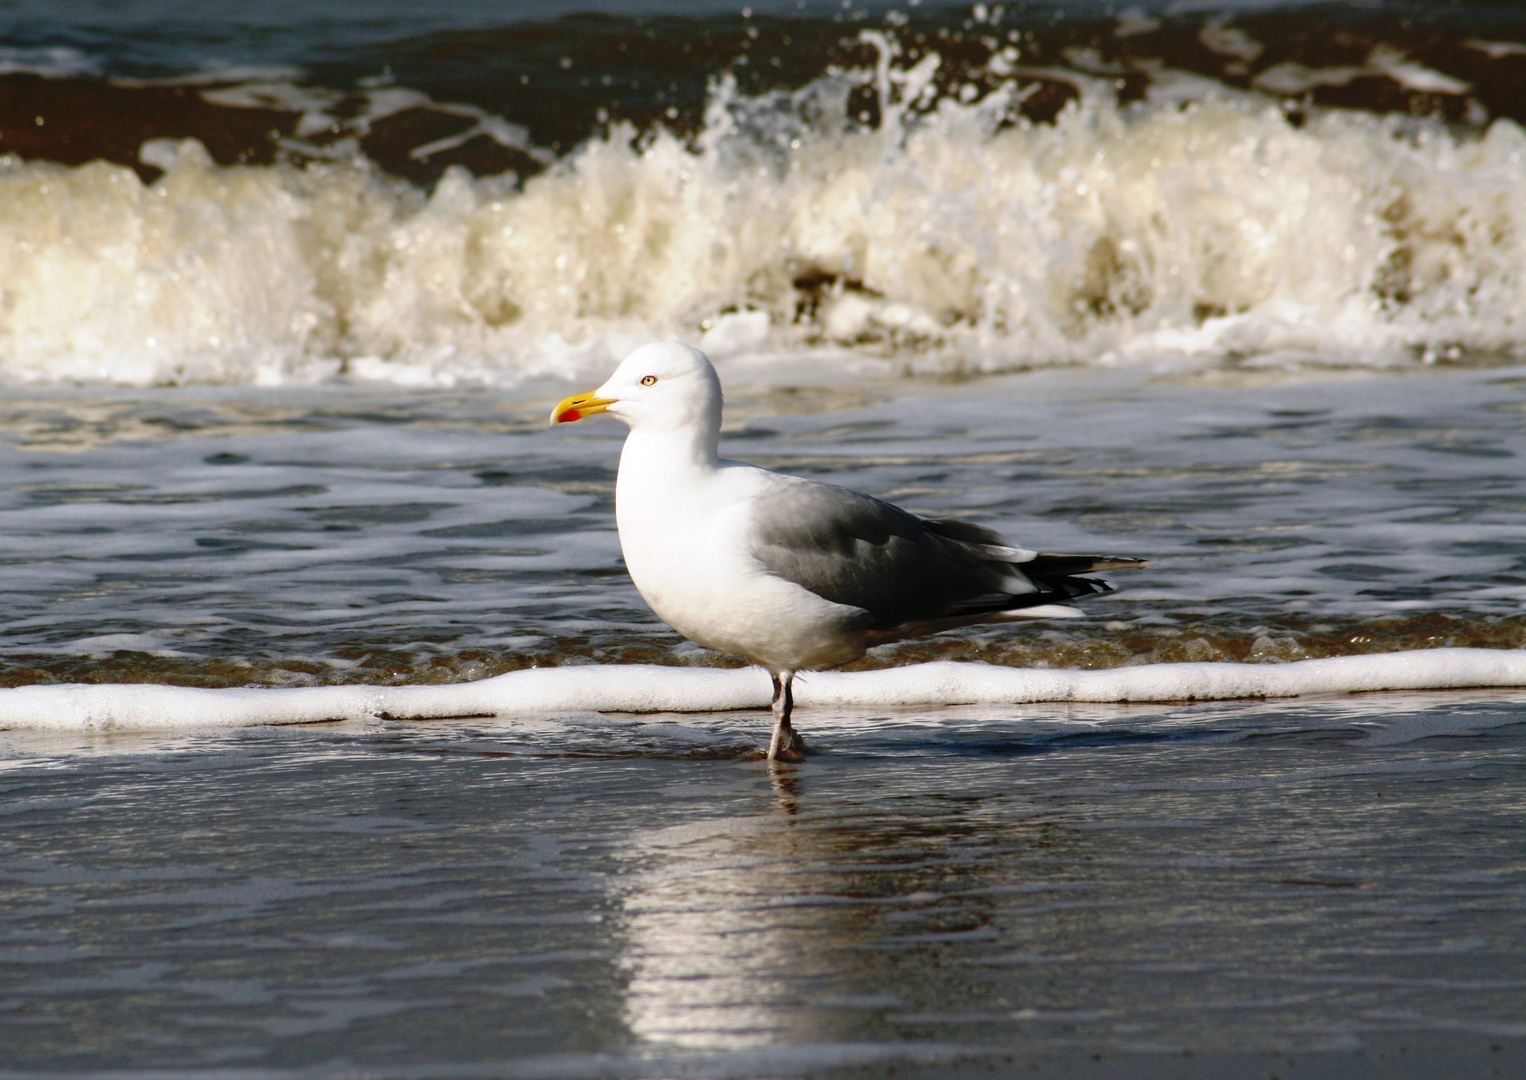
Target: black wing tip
[1055, 590]
[1078, 587]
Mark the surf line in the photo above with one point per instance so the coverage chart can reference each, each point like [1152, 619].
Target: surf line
[645, 688]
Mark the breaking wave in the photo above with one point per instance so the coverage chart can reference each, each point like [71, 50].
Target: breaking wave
[926, 223]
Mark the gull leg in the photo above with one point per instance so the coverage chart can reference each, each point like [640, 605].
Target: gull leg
[786, 744]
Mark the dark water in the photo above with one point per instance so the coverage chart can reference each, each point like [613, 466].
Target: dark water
[1320, 889]
[103, 77]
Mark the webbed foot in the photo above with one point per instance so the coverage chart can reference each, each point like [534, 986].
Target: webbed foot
[786, 745]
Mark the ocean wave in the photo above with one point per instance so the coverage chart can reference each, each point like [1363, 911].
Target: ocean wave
[929, 225]
[647, 688]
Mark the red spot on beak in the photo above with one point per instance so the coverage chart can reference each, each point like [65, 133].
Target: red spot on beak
[578, 406]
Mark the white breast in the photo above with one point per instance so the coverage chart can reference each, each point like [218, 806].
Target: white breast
[684, 535]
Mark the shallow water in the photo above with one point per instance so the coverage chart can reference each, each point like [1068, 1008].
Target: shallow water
[1303, 888]
[227, 537]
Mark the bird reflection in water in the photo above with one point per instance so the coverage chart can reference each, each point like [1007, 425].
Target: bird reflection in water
[793, 925]
[786, 787]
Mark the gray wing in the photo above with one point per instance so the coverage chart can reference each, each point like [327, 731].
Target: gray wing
[902, 569]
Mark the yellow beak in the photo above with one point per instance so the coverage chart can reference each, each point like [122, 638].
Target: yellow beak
[578, 406]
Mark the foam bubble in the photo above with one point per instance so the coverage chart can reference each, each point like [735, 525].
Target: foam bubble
[646, 688]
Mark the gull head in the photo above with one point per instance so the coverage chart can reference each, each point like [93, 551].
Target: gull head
[662, 385]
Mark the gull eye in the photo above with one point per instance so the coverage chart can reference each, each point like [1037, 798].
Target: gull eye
[648, 380]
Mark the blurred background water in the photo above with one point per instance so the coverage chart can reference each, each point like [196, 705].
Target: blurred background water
[373, 193]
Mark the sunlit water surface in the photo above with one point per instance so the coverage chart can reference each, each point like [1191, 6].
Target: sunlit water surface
[218, 537]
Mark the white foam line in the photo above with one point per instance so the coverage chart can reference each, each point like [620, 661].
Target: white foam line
[950, 683]
[641, 688]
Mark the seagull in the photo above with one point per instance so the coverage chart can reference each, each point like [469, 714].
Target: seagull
[793, 574]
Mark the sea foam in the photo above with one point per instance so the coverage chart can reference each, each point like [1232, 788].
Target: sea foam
[647, 688]
[1202, 223]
